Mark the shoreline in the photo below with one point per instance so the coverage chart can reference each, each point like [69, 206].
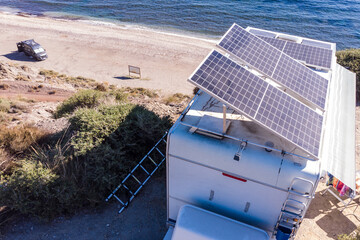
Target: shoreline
[63, 16]
[103, 52]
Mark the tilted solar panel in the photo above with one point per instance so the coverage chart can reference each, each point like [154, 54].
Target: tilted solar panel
[275, 64]
[291, 119]
[311, 55]
[230, 82]
[314, 56]
[279, 44]
[270, 107]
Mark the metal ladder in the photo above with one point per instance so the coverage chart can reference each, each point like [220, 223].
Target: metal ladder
[131, 185]
[294, 207]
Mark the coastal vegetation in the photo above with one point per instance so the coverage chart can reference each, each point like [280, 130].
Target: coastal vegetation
[49, 174]
[350, 59]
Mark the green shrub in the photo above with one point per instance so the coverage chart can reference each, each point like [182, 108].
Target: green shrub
[36, 190]
[127, 142]
[84, 98]
[93, 125]
[120, 96]
[354, 236]
[29, 189]
[350, 59]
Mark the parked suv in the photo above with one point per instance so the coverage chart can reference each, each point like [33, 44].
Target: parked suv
[32, 48]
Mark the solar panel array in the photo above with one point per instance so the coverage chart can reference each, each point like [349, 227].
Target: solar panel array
[275, 64]
[314, 56]
[247, 93]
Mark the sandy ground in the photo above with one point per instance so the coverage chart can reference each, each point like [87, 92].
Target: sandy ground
[103, 53]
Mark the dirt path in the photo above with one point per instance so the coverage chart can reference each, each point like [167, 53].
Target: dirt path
[34, 91]
[144, 219]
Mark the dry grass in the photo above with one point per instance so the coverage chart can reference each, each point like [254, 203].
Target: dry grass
[137, 92]
[75, 81]
[17, 140]
[103, 87]
[176, 98]
[21, 77]
[4, 105]
[4, 117]
[6, 161]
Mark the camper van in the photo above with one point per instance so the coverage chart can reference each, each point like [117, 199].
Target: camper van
[234, 175]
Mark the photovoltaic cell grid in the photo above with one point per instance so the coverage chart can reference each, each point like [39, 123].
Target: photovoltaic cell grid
[264, 57]
[311, 55]
[249, 94]
[230, 82]
[251, 49]
[279, 44]
[291, 119]
[297, 79]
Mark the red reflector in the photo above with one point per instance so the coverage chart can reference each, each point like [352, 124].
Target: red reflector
[237, 178]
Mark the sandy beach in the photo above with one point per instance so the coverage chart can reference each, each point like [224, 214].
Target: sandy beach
[103, 52]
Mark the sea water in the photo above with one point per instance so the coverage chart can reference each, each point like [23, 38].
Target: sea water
[328, 20]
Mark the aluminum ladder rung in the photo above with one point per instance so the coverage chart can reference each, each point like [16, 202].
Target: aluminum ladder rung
[117, 198]
[159, 152]
[291, 213]
[128, 189]
[141, 184]
[136, 179]
[144, 169]
[287, 225]
[152, 160]
[290, 221]
[283, 220]
[307, 196]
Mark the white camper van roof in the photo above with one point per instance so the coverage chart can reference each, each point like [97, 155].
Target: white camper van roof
[336, 148]
[196, 223]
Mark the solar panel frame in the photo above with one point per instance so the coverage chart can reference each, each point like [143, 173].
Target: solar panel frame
[279, 44]
[316, 44]
[288, 125]
[227, 83]
[312, 56]
[257, 99]
[248, 45]
[294, 75]
[259, 32]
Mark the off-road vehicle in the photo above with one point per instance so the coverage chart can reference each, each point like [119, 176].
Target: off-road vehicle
[32, 48]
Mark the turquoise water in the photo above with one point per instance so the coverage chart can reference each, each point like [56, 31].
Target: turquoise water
[328, 20]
